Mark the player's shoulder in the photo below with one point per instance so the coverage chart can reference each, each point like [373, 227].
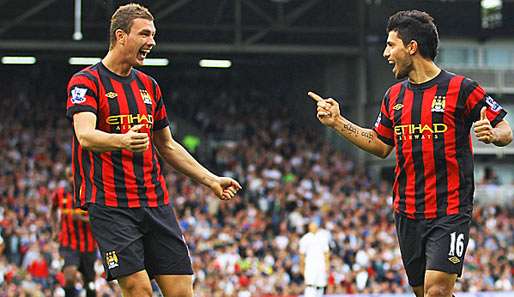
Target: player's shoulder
[468, 82]
[397, 86]
[394, 89]
[89, 73]
[144, 76]
[465, 81]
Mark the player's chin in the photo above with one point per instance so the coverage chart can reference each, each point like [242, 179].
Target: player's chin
[139, 62]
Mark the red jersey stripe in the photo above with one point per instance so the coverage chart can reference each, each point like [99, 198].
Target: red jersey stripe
[428, 160]
[82, 237]
[451, 147]
[408, 166]
[393, 99]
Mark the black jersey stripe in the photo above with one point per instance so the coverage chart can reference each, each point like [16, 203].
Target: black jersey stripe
[417, 156]
[441, 182]
[402, 177]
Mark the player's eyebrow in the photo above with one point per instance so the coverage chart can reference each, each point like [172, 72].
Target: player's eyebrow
[147, 31]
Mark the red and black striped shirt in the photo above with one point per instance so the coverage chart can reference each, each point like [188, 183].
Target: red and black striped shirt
[119, 178]
[429, 125]
[74, 233]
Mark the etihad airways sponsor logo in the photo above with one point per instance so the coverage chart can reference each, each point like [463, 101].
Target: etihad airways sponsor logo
[129, 119]
[419, 131]
[126, 121]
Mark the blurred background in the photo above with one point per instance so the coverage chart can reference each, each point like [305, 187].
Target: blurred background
[235, 74]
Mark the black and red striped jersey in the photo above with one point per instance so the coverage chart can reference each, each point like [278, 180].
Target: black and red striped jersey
[74, 233]
[429, 125]
[119, 178]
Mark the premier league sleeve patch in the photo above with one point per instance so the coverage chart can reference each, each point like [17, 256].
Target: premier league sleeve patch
[495, 106]
[78, 95]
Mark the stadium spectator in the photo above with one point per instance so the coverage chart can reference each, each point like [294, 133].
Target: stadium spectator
[315, 260]
[72, 229]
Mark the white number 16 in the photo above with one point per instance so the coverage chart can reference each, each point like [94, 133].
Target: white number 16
[456, 244]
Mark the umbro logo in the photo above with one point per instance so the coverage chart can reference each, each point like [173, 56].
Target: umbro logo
[111, 95]
[398, 106]
[454, 260]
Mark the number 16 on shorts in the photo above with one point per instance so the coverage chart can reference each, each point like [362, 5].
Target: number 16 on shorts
[456, 247]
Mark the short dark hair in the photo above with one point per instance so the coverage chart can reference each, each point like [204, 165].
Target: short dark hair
[416, 25]
[123, 17]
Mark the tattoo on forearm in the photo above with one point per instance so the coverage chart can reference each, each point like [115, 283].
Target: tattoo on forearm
[368, 135]
[352, 129]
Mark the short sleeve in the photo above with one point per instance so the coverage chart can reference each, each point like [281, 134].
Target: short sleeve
[160, 115]
[82, 96]
[383, 124]
[475, 99]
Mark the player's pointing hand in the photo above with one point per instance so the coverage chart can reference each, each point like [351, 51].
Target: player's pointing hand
[327, 109]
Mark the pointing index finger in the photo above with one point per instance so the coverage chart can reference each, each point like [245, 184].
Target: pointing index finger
[315, 96]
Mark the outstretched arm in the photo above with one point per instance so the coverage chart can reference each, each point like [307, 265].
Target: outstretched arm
[329, 115]
[178, 157]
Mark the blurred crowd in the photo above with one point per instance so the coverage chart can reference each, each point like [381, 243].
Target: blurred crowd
[247, 246]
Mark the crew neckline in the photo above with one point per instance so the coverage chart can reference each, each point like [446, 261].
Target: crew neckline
[115, 75]
[428, 83]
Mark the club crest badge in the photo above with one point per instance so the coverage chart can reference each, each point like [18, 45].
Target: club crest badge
[438, 104]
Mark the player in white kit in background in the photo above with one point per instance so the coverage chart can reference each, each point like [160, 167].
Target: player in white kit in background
[315, 260]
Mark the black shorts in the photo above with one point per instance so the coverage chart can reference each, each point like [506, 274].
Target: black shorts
[435, 244]
[133, 239]
[84, 261]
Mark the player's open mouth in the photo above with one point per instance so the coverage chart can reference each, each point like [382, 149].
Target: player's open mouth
[391, 62]
[141, 55]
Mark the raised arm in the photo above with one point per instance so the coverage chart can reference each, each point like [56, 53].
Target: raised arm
[329, 115]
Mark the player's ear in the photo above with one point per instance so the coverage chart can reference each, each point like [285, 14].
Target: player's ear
[412, 47]
[121, 36]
